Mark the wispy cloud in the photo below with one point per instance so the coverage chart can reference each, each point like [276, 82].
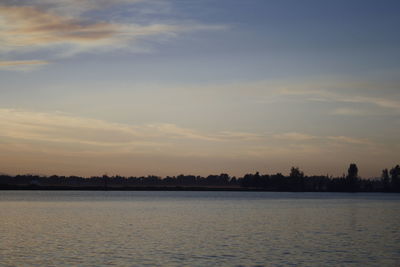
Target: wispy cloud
[28, 28]
[64, 128]
[343, 92]
[350, 140]
[338, 91]
[56, 136]
[307, 139]
[348, 112]
[173, 131]
[244, 136]
[73, 7]
[294, 136]
[63, 28]
[22, 64]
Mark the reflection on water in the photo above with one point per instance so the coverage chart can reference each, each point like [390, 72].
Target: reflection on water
[198, 229]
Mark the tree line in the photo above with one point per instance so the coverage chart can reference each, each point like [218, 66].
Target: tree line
[296, 181]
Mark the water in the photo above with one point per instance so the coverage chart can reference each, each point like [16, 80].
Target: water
[55, 228]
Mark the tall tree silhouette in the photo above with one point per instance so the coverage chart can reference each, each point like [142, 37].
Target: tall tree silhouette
[352, 176]
[395, 175]
[296, 179]
[385, 179]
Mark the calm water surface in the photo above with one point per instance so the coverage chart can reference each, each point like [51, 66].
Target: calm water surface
[50, 228]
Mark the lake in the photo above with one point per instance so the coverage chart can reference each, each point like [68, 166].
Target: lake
[111, 228]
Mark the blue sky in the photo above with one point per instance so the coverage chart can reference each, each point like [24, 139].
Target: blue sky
[163, 87]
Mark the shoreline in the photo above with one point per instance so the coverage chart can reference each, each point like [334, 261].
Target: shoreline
[160, 188]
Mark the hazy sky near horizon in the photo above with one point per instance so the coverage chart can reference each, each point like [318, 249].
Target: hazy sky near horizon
[137, 87]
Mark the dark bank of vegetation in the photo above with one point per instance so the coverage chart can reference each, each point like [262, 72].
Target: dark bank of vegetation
[295, 182]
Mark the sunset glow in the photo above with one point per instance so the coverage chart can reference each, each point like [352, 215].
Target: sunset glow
[135, 87]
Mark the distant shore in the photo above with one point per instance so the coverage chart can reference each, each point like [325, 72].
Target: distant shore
[128, 188]
[159, 188]
[296, 181]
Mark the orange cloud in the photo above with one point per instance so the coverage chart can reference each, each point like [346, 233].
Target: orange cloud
[22, 63]
[32, 27]
[27, 26]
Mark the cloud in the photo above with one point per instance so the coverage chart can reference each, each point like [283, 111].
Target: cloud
[68, 129]
[381, 102]
[344, 92]
[71, 7]
[245, 136]
[23, 65]
[66, 142]
[66, 28]
[28, 28]
[348, 112]
[293, 136]
[305, 140]
[23, 62]
[354, 97]
[172, 131]
[64, 128]
[350, 140]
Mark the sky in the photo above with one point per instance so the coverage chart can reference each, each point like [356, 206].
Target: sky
[164, 87]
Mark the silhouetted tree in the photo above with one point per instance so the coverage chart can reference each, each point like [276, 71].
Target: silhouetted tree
[296, 179]
[296, 173]
[247, 180]
[395, 175]
[352, 175]
[352, 171]
[386, 180]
